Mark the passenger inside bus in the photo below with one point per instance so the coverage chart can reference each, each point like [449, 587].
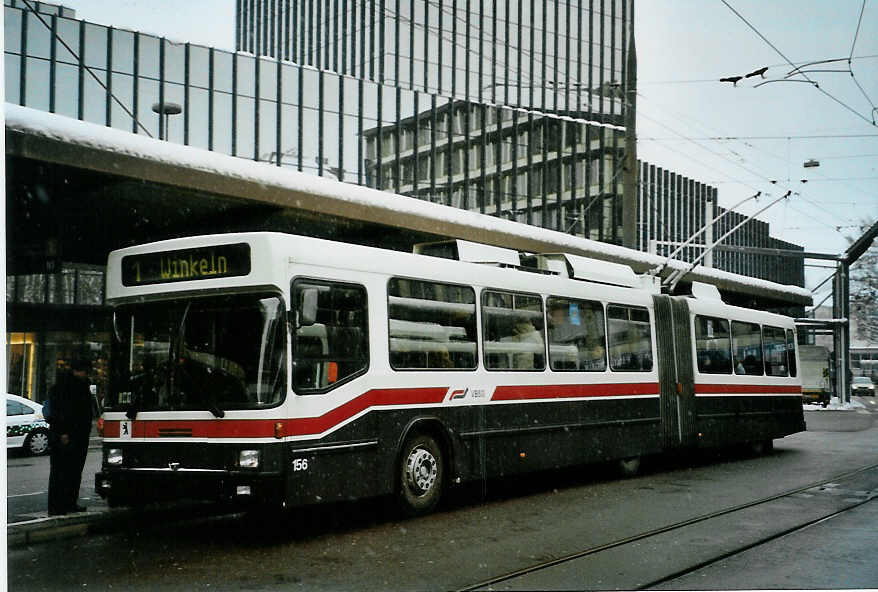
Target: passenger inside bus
[514, 331]
[525, 332]
[576, 336]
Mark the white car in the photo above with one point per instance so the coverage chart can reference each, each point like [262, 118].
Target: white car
[25, 426]
[862, 385]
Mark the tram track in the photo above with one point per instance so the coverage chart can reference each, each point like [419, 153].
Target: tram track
[676, 526]
[778, 536]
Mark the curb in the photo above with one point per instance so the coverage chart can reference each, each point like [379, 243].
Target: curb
[50, 528]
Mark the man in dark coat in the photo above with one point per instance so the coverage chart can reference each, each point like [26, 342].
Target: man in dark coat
[69, 428]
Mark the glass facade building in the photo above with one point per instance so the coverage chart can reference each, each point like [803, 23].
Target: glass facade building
[514, 109]
[533, 82]
[548, 55]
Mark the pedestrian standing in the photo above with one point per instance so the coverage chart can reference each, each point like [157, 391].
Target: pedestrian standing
[70, 404]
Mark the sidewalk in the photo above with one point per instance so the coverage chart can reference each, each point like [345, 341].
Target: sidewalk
[100, 518]
[31, 527]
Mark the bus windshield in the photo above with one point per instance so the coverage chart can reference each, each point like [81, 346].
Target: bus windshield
[209, 353]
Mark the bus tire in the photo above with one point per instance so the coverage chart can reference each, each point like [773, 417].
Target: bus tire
[421, 475]
[762, 447]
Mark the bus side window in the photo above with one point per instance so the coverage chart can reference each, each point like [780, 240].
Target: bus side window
[712, 345]
[330, 334]
[774, 346]
[514, 335]
[576, 335]
[747, 348]
[630, 338]
[431, 325]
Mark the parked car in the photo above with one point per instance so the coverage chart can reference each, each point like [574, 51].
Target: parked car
[25, 426]
[862, 385]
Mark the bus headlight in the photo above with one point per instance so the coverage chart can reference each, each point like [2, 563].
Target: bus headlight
[249, 459]
[114, 456]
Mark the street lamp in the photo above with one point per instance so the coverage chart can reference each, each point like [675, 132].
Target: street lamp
[166, 109]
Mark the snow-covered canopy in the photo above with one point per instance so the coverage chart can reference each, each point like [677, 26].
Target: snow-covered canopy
[53, 138]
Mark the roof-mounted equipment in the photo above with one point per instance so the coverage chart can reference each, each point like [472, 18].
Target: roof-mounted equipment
[704, 291]
[462, 250]
[589, 270]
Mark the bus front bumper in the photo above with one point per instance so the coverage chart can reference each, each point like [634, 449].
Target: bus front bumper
[125, 486]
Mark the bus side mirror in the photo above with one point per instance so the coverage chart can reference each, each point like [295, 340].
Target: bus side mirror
[308, 309]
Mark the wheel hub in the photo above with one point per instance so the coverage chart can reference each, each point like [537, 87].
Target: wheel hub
[420, 471]
[39, 443]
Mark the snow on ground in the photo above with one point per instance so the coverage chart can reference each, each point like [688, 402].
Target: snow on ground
[836, 405]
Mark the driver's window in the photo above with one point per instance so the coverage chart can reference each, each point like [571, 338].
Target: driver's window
[330, 334]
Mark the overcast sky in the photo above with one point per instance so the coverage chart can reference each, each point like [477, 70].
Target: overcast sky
[683, 48]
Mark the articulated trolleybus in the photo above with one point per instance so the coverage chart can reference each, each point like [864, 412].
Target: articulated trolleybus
[286, 370]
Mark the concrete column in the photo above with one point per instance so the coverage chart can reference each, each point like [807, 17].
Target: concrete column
[631, 173]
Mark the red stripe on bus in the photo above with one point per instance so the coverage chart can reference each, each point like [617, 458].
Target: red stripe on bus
[573, 391]
[746, 389]
[264, 428]
[195, 428]
[374, 398]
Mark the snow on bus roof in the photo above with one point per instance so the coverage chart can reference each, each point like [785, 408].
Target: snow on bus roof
[111, 150]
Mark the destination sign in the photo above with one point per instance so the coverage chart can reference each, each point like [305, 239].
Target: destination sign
[186, 265]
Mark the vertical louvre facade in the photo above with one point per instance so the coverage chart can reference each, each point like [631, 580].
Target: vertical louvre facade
[672, 208]
[551, 55]
[515, 109]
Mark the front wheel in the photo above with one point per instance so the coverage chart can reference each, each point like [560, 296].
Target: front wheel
[37, 442]
[421, 475]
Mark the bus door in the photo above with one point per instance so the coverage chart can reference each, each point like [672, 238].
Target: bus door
[676, 373]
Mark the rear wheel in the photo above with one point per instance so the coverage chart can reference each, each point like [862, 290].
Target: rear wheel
[37, 442]
[629, 467]
[762, 447]
[421, 474]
